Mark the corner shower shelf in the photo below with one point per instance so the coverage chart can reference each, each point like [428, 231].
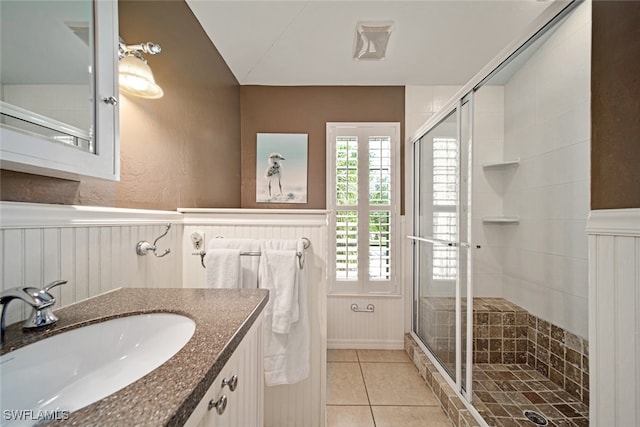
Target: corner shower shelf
[502, 165]
[501, 219]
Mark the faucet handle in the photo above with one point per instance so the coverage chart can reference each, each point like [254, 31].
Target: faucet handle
[54, 284]
[43, 316]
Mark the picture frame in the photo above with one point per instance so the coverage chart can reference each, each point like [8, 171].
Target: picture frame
[281, 167]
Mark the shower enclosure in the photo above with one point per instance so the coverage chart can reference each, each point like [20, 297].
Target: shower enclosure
[500, 199]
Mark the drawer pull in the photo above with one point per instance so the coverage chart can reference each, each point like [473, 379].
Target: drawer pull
[220, 404]
[231, 382]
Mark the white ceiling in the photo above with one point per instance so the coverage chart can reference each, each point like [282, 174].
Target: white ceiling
[434, 42]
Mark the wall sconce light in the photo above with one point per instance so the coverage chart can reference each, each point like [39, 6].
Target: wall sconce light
[136, 77]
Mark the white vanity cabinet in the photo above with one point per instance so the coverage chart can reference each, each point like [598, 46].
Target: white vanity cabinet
[244, 405]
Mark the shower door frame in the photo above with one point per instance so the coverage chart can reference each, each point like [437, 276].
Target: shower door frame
[547, 19]
[467, 389]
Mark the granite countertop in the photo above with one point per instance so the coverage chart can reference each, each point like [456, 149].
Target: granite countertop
[168, 395]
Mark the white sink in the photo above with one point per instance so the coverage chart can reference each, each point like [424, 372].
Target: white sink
[74, 369]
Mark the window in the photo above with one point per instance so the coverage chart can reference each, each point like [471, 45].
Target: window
[363, 193]
[445, 197]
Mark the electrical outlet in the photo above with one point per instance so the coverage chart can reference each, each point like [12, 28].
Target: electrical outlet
[197, 239]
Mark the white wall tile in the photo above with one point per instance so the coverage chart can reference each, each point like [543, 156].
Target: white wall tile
[413, 121]
[422, 102]
[419, 99]
[489, 99]
[442, 95]
[547, 125]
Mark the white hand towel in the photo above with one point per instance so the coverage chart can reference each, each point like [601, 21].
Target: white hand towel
[223, 268]
[286, 356]
[248, 264]
[282, 276]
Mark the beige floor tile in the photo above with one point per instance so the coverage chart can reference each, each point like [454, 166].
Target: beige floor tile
[393, 356]
[349, 416]
[345, 385]
[396, 384]
[410, 416]
[342, 356]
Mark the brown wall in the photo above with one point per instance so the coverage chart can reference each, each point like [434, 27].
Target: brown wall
[304, 109]
[615, 105]
[176, 150]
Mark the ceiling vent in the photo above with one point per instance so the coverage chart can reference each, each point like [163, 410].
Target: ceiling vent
[372, 39]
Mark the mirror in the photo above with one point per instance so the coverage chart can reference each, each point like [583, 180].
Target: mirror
[46, 69]
[57, 58]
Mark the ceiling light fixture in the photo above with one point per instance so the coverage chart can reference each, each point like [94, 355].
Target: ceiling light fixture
[371, 41]
[135, 76]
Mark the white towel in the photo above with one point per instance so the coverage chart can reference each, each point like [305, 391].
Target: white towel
[223, 268]
[281, 275]
[286, 358]
[248, 264]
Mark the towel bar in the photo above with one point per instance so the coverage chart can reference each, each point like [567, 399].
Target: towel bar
[370, 308]
[305, 244]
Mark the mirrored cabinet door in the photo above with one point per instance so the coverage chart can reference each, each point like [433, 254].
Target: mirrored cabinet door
[58, 93]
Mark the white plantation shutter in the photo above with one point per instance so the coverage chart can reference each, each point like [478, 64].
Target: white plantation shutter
[445, 196]
[363, 194]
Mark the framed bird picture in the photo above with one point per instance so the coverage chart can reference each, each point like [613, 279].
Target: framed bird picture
[281, 167]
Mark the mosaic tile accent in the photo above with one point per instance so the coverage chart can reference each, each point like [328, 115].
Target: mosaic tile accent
[559, 355]
[550, 363]
[503, 392]
[499, 331]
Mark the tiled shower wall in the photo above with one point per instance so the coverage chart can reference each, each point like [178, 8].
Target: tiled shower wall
[547, 126]
[504, 333]
[559, 355]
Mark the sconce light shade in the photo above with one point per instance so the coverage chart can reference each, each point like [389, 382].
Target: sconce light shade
[137, 79]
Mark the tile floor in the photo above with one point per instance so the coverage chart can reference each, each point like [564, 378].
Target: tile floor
[378, 388]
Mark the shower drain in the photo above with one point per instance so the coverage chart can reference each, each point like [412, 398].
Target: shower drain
[536, 418]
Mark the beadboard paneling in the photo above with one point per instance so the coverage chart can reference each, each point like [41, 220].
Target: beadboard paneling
[94, 253]
[386, 326]
[382, 329]
[614, 322]
[293, 405]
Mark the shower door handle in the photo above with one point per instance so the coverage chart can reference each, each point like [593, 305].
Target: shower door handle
[469, 245]
[444, 242]
[433, 241]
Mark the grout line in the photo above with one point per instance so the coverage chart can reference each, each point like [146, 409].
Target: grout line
[364, 382]
[373, 418]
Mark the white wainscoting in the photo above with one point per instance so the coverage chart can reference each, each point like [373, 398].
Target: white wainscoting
[299, 404]
[93, 248]
[614, 317]
[381, 330]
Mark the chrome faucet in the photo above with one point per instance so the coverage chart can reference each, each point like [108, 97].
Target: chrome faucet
[39, 299]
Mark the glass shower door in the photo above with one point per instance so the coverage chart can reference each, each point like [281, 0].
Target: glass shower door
[442, 261]
[435, 241]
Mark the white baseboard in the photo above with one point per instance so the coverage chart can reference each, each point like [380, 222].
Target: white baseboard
[342, 344]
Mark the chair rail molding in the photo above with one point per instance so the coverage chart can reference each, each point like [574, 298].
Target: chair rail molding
[40, 215]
